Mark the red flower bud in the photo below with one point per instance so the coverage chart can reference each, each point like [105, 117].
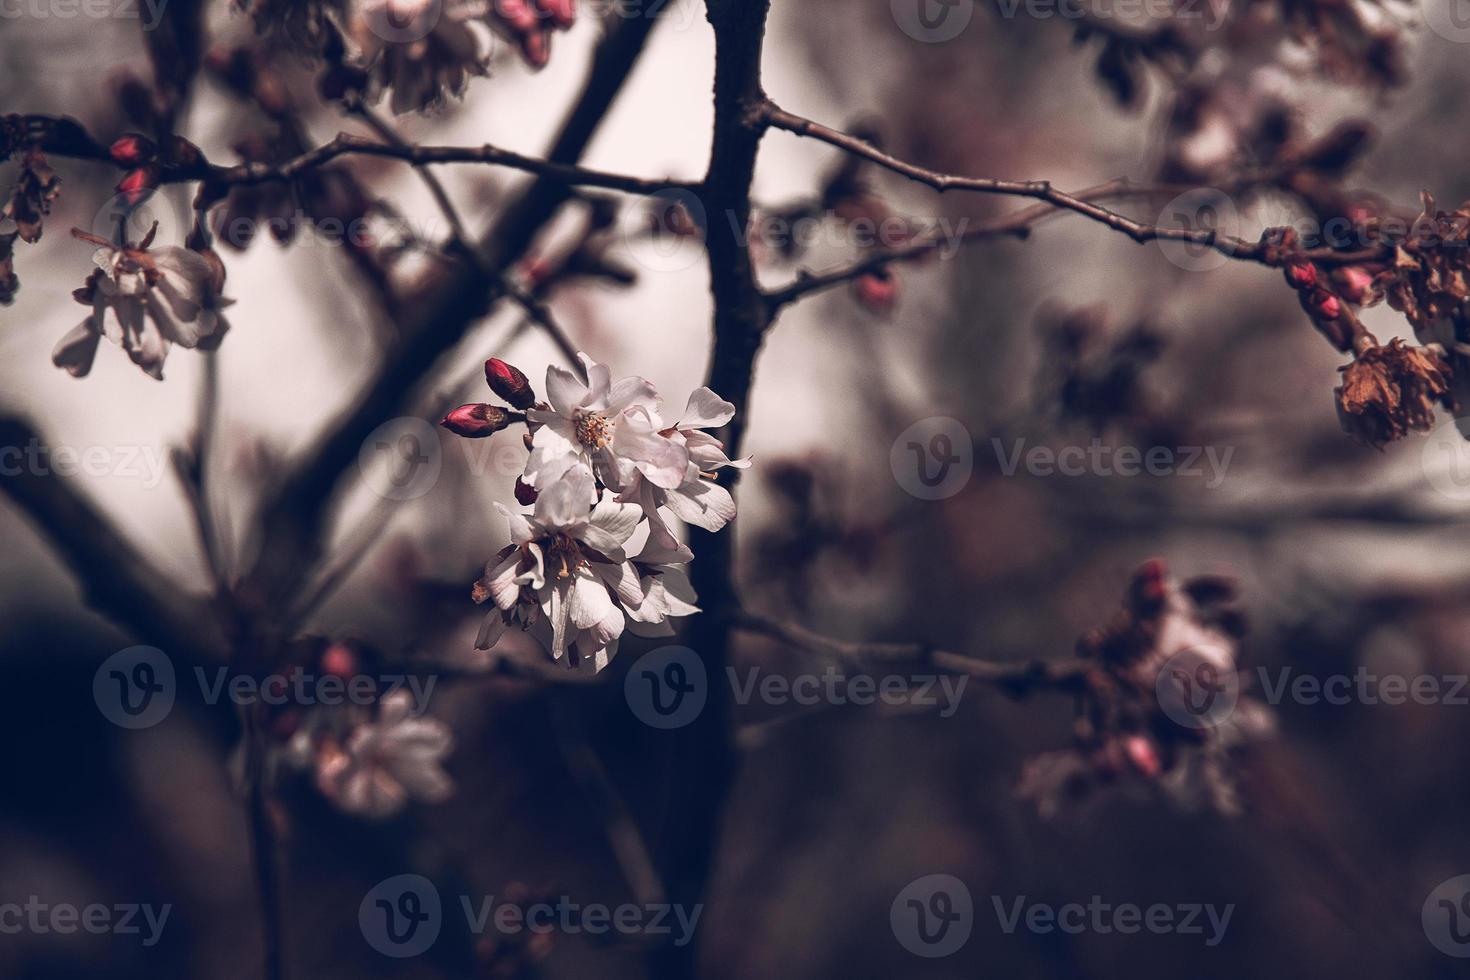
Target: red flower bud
[339, 661]
[1355, 283]
[525, 493]
[138, 184]
[1327, 306]
[877, 291]
[133, 150]
[509, 383]
[1301, 275]
[1142, 754]
[476, 421]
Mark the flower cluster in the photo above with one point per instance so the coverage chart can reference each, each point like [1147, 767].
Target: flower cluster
[21, 216]
[1170, 650]
[145, 300]
[1386, 391]
[603, 463]
[425, 50]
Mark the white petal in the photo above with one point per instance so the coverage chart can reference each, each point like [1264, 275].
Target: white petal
[520, 528]
[706, 410]
[610, 527]
[563, 504]
[599, 382]
[703, 504]
[491, 631]
[661, 460]
[563, 390]
[631, 392]
[588, 603]
[75, 352]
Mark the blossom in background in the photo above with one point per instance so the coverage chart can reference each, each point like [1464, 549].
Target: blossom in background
[1386, 391]
[612, 429]
[144, 301]
[384, 763]
[1147, 721]
[421, 49]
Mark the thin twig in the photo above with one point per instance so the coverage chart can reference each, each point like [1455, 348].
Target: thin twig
[1261, 251]
[1013, 679]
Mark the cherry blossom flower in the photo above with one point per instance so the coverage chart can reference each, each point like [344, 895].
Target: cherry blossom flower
[697, 499]
[430, 62]
[144, 301]
[386, 762]
[612, 429]
[566, 568]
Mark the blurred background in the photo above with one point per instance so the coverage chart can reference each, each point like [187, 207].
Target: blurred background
[1346, 556]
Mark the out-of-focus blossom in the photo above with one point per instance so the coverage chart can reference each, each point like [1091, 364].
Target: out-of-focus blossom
[144, 300]
[386, 762]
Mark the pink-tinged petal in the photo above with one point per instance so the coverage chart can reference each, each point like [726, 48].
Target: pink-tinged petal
[535, 576]
[552, 454]
[599, 382]
[610, 527]
[622, 578]
[703, 504]
[563, 390]
[588, 602]
[706, 410]
[76, 351]
[662, 548]
[555, 607]
[662, 461]
[491, 631]
[630, 393]
[678, 592]
[185, 334]
[563, 504]
[520, 528]
[708, 453]
[499, 581]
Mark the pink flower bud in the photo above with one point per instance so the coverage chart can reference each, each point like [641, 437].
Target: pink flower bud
[877, 291]
[1301, 275]
[133, 150]
[1142, 755]
[1327, 306]
[509, 383]
[476, 421]
[563, 13]
[138, 184]
[1355, 283]
[339, 660]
